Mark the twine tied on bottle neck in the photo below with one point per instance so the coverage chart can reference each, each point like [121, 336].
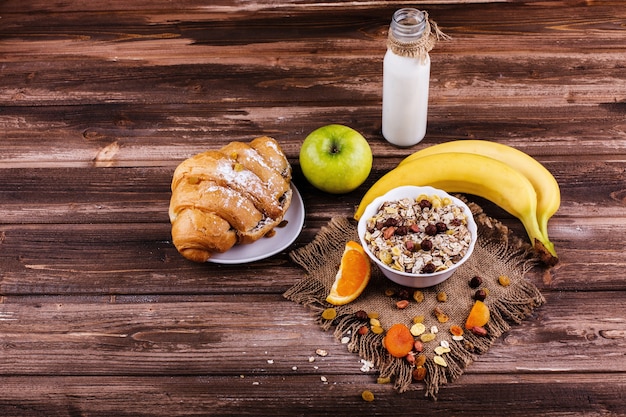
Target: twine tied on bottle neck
[420, 47]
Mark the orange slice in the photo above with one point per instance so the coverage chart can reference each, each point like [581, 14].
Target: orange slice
[352, 277]
[478, 315]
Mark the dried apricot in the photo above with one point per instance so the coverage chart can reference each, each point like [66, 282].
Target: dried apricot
[398, 341]
[478, 315]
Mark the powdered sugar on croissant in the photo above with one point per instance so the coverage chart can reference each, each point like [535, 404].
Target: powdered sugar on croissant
[232, 196]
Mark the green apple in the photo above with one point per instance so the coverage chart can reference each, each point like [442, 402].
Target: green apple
[335, 159]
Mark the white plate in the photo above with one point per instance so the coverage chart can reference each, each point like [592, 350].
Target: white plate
[268, 246]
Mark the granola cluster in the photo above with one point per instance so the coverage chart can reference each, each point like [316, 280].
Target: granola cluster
[422, 235]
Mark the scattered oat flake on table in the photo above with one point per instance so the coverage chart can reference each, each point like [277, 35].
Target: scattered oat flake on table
[367, 365]
[321, 352]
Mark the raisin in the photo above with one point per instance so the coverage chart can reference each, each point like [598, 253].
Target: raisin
[429, 268]
[504, 280]
[480, 295]
[419, 374]
[441, 316]
[390, 222]
[475, 281]
[402, 231]
[431, 230]
[367, 396]
[329, 314]
[441, 227]
[418, 296]
[456, 330]
[425, 204]
[361, 315]
[426, 245]
[404, 294]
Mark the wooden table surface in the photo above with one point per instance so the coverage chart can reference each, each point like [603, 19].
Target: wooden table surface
[100, 101]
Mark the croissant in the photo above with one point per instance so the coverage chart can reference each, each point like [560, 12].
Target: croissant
[235, 195]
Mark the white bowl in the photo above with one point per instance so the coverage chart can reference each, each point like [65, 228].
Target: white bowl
[415, 280]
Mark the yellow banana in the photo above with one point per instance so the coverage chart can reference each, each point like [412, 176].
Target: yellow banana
[472, 174]
[544, 183]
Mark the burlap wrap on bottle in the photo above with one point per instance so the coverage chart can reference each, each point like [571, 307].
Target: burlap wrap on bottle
[497, 252]
[420, 47]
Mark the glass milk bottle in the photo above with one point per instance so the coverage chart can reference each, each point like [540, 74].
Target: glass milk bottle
[406, 77]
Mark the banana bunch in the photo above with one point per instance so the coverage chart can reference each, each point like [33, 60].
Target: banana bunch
[504, 175]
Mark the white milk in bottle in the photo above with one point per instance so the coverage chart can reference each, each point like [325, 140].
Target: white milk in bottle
[406, 77]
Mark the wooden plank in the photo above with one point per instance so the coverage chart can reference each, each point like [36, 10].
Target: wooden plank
[140, 258]
[141, 195]
[96, 136]
[208, 335]
[487, 395]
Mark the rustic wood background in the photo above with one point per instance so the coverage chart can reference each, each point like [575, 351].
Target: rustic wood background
[99, 101]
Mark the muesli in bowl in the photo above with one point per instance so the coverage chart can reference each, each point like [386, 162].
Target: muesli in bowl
[417, 236]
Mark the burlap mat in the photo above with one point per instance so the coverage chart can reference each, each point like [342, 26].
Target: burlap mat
[497, 252]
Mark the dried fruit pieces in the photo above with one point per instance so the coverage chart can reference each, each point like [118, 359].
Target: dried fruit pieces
[442, 317]
[367, 396]
[398, 341]
[329, 314]
[504, 280]
[456, 330]
[478, 315]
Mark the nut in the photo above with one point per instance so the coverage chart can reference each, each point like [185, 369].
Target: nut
[479, 331]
